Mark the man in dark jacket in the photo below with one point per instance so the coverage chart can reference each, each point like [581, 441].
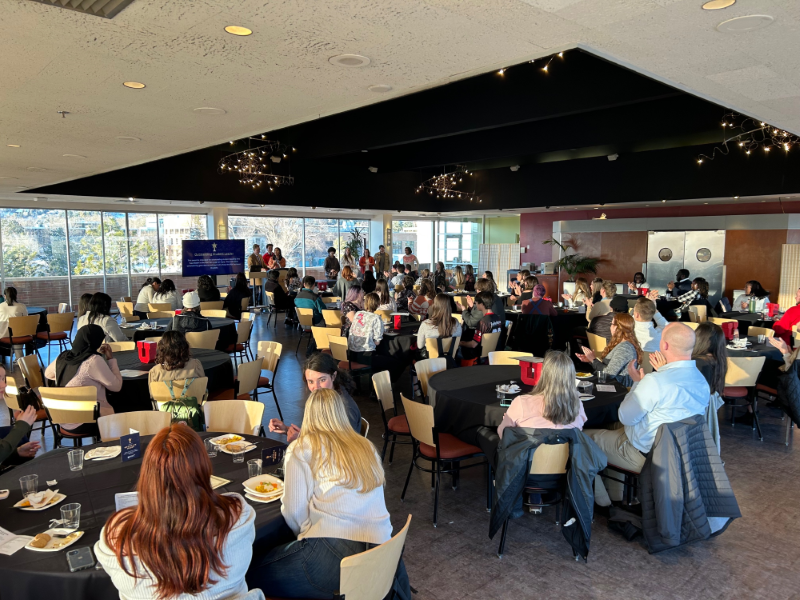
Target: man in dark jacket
[190, 319]
[306, 298]
[513, 466]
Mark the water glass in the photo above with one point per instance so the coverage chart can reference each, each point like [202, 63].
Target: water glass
[211, 448]
[762, 338]
[585, 387]
[29, 485]
[238, 457]
[254, 467]
[601, 377]
[71, 516]
[75, 460]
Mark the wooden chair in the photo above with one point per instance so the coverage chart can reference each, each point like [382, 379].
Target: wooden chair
[159, 307]
[12, 402]
[755, 331]
[159, 392]
[489, 344]
[203, 339]
[21, 332]
[306, 318]
[333, 318]
[426, 369]
[364, 427]
[321, 338]
[70, 405]
[212, 305]
[223, 295]
[369, 575]
[397, 424]
[698, 314]
[461, 302]
[127, 299]
[234, 416]
[32, 371]
[247, 376]
[437, 448]
[241, 348]
[385, 315]
[503, 357]
[331, 299]
[548, 459]
[338, 346]
[596, 343]
[121, 346]
[270, 355]
[146, 422]
[449, 347]
[165, 314]
[740, 382]
[246, 316]
[211, 313]
[126, 309]
[59, 329]
[720, 321]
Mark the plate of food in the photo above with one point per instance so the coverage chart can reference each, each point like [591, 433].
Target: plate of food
[40, 500]
[509, 389]
[263, 488]
[581, 375]
[236, 447]
[103, 453]
[262, 499]
[585, 397]
[224, 440]
[53, 540]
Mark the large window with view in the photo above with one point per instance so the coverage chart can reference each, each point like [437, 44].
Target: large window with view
[172, 230]
[286, 234]
[115, 248]
[417, 235]
[458, 241]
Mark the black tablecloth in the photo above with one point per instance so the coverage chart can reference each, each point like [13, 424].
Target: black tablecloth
[465, 399]
[563, 325]
[747, 320]
[773, 362]
[227, 331]
[27, 574]
[399, 344]
[135, 394]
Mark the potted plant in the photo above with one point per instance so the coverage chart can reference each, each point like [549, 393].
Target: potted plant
[574, 264]
[356, 241]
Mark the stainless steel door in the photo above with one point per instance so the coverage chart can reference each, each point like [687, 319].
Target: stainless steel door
[704, 256]
[665, 253]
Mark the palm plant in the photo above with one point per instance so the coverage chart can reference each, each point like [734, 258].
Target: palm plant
[574, 264]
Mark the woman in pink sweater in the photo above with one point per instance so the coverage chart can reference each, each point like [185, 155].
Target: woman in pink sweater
[89, 362]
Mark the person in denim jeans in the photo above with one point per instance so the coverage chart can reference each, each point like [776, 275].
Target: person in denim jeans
[334, 503]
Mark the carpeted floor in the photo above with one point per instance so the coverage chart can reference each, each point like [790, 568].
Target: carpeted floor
[757, 557]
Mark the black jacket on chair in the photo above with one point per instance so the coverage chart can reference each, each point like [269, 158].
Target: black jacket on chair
[513, 464]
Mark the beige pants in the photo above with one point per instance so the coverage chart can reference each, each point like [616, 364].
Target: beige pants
[619, 452]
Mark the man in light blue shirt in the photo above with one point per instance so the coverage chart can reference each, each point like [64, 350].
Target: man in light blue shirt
[674, 391]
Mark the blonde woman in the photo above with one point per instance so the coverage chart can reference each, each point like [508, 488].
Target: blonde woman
[426, 274]
[348, 260]
[439, 324]
[333, 501]
[458, 277]
[581, 294]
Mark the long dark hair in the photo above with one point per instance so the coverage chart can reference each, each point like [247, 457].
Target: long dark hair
[709, 347]
[325, 363]
[641, 277]
[702, 287]
[756, 289]
[11, 295]
[167, 286]
[83, 304]
[204, 282]
[173, 351]
[150, 281]
[382, 289]
[241, 283]
[99, 307]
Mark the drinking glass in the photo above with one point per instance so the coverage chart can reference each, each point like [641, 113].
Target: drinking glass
[75, 460]
[762, 338]
[601, 377]
[238, 457]
[29, 485]
[211, 448]
[71, 516]
[254, 467]
[585, 387]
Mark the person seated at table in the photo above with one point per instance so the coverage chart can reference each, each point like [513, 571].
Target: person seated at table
[649, 324]
[321, 371]
[457, 280]
[346, 279]
[399, 275]
[233, 301]
[14, 447]
[490, 276]
[488, 323]
[167, 293]
[683, 285]
[597, 288]
[536, 304]
[607, 292]
[404, 293]
[711, 359]
[83, 304]
[639, 281]
[282, 300]
[331, 266]
[440, 283]
[387, 302]
[439, 324]
[581, 293]
[523, 291]
[146, 294]
[677, 390]
[209, 535]
[100, 314]
[519, 280]
[783, 326]
[353, 303]
[602, 325]
[424, 274]
[333, 501]
[293, 282]
[701, 299]
[207, 290]
[752, 291]
[366, 332]
[469, 279]
[174, 360]
[190, 319]
[307, 298]
[369, 282]
[10, 307]
[89, 362]
[420, 304]
[472, 317]
[622, 349]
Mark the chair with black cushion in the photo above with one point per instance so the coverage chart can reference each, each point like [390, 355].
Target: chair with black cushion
[438, 449]
[273, 310]
[397, 424]
[532, 334]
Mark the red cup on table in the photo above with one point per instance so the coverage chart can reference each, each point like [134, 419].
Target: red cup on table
[531, 370]
[397, 321]
[727, 329]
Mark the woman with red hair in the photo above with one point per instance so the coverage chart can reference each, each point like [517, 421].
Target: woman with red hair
[183, 539]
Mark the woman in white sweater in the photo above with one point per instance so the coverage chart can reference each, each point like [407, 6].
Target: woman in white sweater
[439, 324]
[146, 293]
[167, 293]
[183, 540]
[99, 313]
[12, 308]
[333, 502]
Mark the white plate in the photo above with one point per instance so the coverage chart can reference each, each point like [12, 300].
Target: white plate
[585, 397]
[248, 449]
[250, 484]
[54, 541]
[589, 377]
[57, 499]
[217, 439]
[255, 499]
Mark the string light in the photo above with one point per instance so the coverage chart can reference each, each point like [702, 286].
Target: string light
[250, 166]
[443, 186]
[749, 134]
[545, 68]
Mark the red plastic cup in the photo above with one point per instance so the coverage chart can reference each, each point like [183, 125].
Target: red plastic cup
[727, 329]
[773, 308]
[397, 319]
[178, 311]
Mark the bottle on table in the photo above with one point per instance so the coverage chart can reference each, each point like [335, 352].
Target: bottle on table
[752, 306]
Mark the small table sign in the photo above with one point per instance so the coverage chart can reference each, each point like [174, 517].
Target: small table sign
[131, 448]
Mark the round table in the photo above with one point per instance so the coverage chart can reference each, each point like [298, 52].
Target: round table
[227, 330]
[773, 362]
[399, 344]
[38, 310]
[747, 320]
[135, 394]
[465, 399]
[564, 324]
[27, 574]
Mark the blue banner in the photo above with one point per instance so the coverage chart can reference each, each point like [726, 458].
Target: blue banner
[212, 257]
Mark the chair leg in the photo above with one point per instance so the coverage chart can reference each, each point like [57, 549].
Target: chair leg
[385, 444]
[502, 548]
[394, 444]
[298, 344]
[278, 406]
[408, 477]
[755, 419]
[436, 492]
[489, 487]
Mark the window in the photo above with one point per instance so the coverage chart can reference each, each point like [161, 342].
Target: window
[85, 252]
[417, 235]
[286, 234]
[172, 230]
[321, 234]
[458, 241]
[355, 235]
[143, 245]
[115, 236]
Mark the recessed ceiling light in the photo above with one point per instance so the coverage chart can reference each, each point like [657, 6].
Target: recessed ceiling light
[237, 30]
[74, 155]
[36, 169]
[134, 85]
[207, 110]
[13, 145]
[380, 89]
[746, 23]
[349, 60]
[736, 197]
[128, 138]
[718, 4]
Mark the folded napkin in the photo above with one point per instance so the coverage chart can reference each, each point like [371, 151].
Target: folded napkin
[103, 452]
[41, 499]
